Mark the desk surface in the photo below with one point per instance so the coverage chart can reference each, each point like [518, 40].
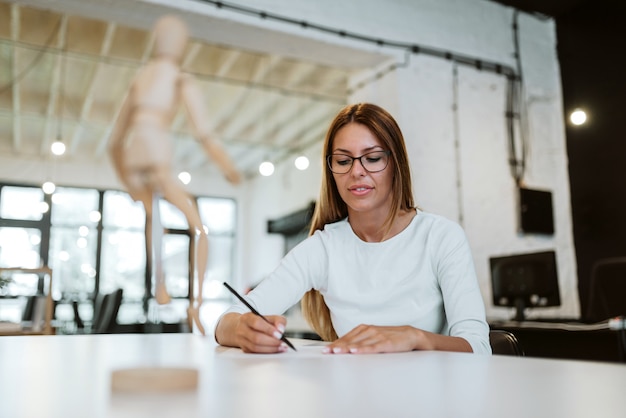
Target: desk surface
[69, 376]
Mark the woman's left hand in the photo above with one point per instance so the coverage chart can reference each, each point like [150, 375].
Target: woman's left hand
[378, 339]
[366, 339]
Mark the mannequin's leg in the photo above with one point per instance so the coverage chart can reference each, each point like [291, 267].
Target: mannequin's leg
[142, 189]
[176, 195]
[161, 294]
[201, 259]
[192, 279]
[148, 246]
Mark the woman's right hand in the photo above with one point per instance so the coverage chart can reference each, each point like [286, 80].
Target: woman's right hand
[251, 333]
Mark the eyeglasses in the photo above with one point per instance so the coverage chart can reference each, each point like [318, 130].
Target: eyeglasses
[372, 162]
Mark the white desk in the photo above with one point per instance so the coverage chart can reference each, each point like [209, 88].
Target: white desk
[69, 376]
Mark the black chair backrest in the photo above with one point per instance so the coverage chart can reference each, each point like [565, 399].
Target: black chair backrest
[35, 310]
[607, 291]
[505, 343]
[105, 317]
[77, 319]
[29, 308]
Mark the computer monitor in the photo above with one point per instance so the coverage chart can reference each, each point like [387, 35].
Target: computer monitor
[525, 281]
[536, 215]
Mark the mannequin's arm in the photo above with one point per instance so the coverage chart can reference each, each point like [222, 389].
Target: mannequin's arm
[192, 101]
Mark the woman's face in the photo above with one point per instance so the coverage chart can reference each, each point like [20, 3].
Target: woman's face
[361, 190]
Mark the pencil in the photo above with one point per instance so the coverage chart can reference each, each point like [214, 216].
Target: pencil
[254, 311]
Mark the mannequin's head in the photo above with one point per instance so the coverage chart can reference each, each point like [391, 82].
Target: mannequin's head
[170, 37]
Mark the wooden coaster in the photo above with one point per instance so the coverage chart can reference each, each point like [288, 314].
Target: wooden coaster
[154, 379]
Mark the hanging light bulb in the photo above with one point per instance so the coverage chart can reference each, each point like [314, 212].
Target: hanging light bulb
[95, 216]
[266, 168]
[48, 187]
[44, 207]
[578, 117]
[302, 162]
[184, 177]
[58, 147]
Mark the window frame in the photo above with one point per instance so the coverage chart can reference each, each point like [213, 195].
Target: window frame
[45, 227]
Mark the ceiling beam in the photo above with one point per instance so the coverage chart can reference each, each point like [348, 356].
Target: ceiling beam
[15, 88]
[310, 134]
[284, 135]
[231, 57]
[232, 111]
[299, 74]
[316, 118]
[293, 80]
[89, 95]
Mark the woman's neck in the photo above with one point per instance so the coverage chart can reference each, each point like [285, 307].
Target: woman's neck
[371, 227]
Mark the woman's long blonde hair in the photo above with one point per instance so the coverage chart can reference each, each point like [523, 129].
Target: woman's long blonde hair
[331, 208]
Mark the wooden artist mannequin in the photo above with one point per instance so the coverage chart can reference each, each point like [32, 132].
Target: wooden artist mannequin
[141, 150]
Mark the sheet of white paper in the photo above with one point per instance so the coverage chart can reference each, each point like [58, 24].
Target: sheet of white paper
[305, 348]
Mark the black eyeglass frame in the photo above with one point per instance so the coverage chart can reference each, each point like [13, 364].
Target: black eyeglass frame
[329, 162]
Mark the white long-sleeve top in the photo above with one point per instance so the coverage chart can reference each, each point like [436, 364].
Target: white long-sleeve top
[423, 277]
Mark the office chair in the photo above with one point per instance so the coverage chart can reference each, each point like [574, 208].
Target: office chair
[105, 312]
[607, 291]
[80, 325]
[34, 311]
[505, 343]
[29, 308]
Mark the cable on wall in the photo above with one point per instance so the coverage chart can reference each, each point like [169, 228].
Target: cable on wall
[515, 112]
[380, 74]
[478, 63]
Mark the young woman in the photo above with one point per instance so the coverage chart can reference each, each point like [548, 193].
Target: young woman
[376, 274]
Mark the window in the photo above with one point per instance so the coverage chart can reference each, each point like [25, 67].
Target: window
[23, 203]
[94, 241]
[123, 259]
[73, 241]
[24, 214]
[220, 217]
[19, 247]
